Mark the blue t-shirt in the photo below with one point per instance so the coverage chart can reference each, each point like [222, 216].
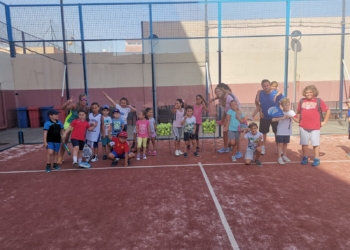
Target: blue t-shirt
[117, 125]
[234, 122]
[266, 102]
[53, 130]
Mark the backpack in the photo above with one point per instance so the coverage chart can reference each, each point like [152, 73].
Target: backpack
[318, 108]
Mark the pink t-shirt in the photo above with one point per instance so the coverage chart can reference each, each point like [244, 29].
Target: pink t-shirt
[197, 113]
[143, 126]
[178, 119]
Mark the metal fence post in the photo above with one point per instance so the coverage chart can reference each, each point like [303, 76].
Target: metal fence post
[64, 50]
[286, 48]
[219, 56]
[9, 31]
[342, 50]
[154, 93]
[83, 50]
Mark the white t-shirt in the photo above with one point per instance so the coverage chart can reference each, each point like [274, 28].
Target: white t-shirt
[284, 126]
[189, 124]
[106, 124]
[124, 112]
[94, 135]
[253, 140]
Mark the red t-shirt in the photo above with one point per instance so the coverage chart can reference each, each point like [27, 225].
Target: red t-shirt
[310, 117]
[120, 148]
[79, 130]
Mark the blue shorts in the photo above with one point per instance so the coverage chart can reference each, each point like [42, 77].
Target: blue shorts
[55, 146]
[78, 143]
[118, 156]
[282, 138]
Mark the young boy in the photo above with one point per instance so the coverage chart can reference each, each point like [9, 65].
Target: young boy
[52, 139]
[117, 123]
[120, 149]
[311, 123]
[255, 139]
[348, 104]
[105, 130]
[284, 130]
[233, 119]
[189, 123]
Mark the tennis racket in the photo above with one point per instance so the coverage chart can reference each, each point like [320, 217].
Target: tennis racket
[66, 148]
[87, 152]
[275, 112]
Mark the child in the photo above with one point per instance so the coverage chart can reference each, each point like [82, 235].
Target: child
[106, 130]
[120, 149]
[198, 109]
[153, 129]
[274, 86]
[143, 132]
[310, 114]
[284, 130]
[117, 124]
[52, 139]
[78, 128]
[348, 104]
[233, 119]
[177, 127]
[124, 109]
[189, 123]
[254, 144]
[93, 136]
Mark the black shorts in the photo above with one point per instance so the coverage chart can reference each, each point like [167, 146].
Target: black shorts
[282, 138]
[78, 143]
[188, 136]
[265, 126]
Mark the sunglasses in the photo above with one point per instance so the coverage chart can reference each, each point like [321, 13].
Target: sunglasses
[83, 99]
[122, 137]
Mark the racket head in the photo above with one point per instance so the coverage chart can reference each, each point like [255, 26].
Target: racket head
[275, 112]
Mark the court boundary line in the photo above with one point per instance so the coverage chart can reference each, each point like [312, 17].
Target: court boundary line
[164, 166]
[222, 216]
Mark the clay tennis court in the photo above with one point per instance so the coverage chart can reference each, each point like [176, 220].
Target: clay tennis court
[168, 202]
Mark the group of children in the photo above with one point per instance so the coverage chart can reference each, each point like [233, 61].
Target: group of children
[88, 129]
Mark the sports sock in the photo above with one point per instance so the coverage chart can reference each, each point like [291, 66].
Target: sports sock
[75, 158]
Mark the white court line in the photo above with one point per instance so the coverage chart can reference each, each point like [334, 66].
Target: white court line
[233, 242]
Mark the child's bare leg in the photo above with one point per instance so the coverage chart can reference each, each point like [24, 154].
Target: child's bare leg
[247, 161]
[49, 157]
[257, 153]
[232, 143]
[153, 139]
[225, 136]
[285, 145]
[317, 151]
[80, 156]
[305, 148]
[55, 157]
[280, 149]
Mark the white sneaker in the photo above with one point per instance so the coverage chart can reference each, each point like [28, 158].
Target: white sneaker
[262, 150]
[145, 157]
[94, 159]
[280, 161]
[180, 152]
[177, 152]
[285, 158]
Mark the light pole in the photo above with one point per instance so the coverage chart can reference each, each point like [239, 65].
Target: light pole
[154, 41]
[296, 36]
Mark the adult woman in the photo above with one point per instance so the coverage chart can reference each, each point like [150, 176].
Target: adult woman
[72, 110]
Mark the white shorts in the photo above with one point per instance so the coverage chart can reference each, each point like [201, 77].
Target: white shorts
[249, 154]
[307, 135]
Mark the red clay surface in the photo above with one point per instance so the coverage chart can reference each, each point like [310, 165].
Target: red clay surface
[273, 207]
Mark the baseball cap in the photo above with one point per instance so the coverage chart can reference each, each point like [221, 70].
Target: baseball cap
[105, 107]
[116, 110]
[52, 112]
[123, 134]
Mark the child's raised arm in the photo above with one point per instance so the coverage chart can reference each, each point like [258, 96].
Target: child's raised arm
[278, 94]
[132, 109]
[110, 99]
[69, 104]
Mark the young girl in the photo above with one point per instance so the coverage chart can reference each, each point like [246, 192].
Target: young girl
[72, 111]
[124, 107]
[106, 130]
[153, 129]
[93, 136]
[80, 126]
[274, 86]
[179, 112]
[143, 132]
[198, 109]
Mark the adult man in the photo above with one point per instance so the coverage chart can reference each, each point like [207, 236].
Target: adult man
[265, 99]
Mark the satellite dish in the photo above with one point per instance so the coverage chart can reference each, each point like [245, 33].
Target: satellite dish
[155, 39]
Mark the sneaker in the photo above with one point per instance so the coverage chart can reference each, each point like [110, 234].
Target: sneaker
[177, 153]
[138, 157]
[233, 158]
[48, 169]
[149, 153]
[316, 162]
[185, 155]
[262, 150]
[84, 165]
[286, 159]
[154, 153]
[180, 152]
[104, 157]
[198, 149]
[258, 163]
[94, 159]
[223, 150]
[195, 154]
[239, 155]
[250, 118]
[75, 164]
[114, 163]
[304, 160]
[56, 167]
[280, 161]
[144, 157]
